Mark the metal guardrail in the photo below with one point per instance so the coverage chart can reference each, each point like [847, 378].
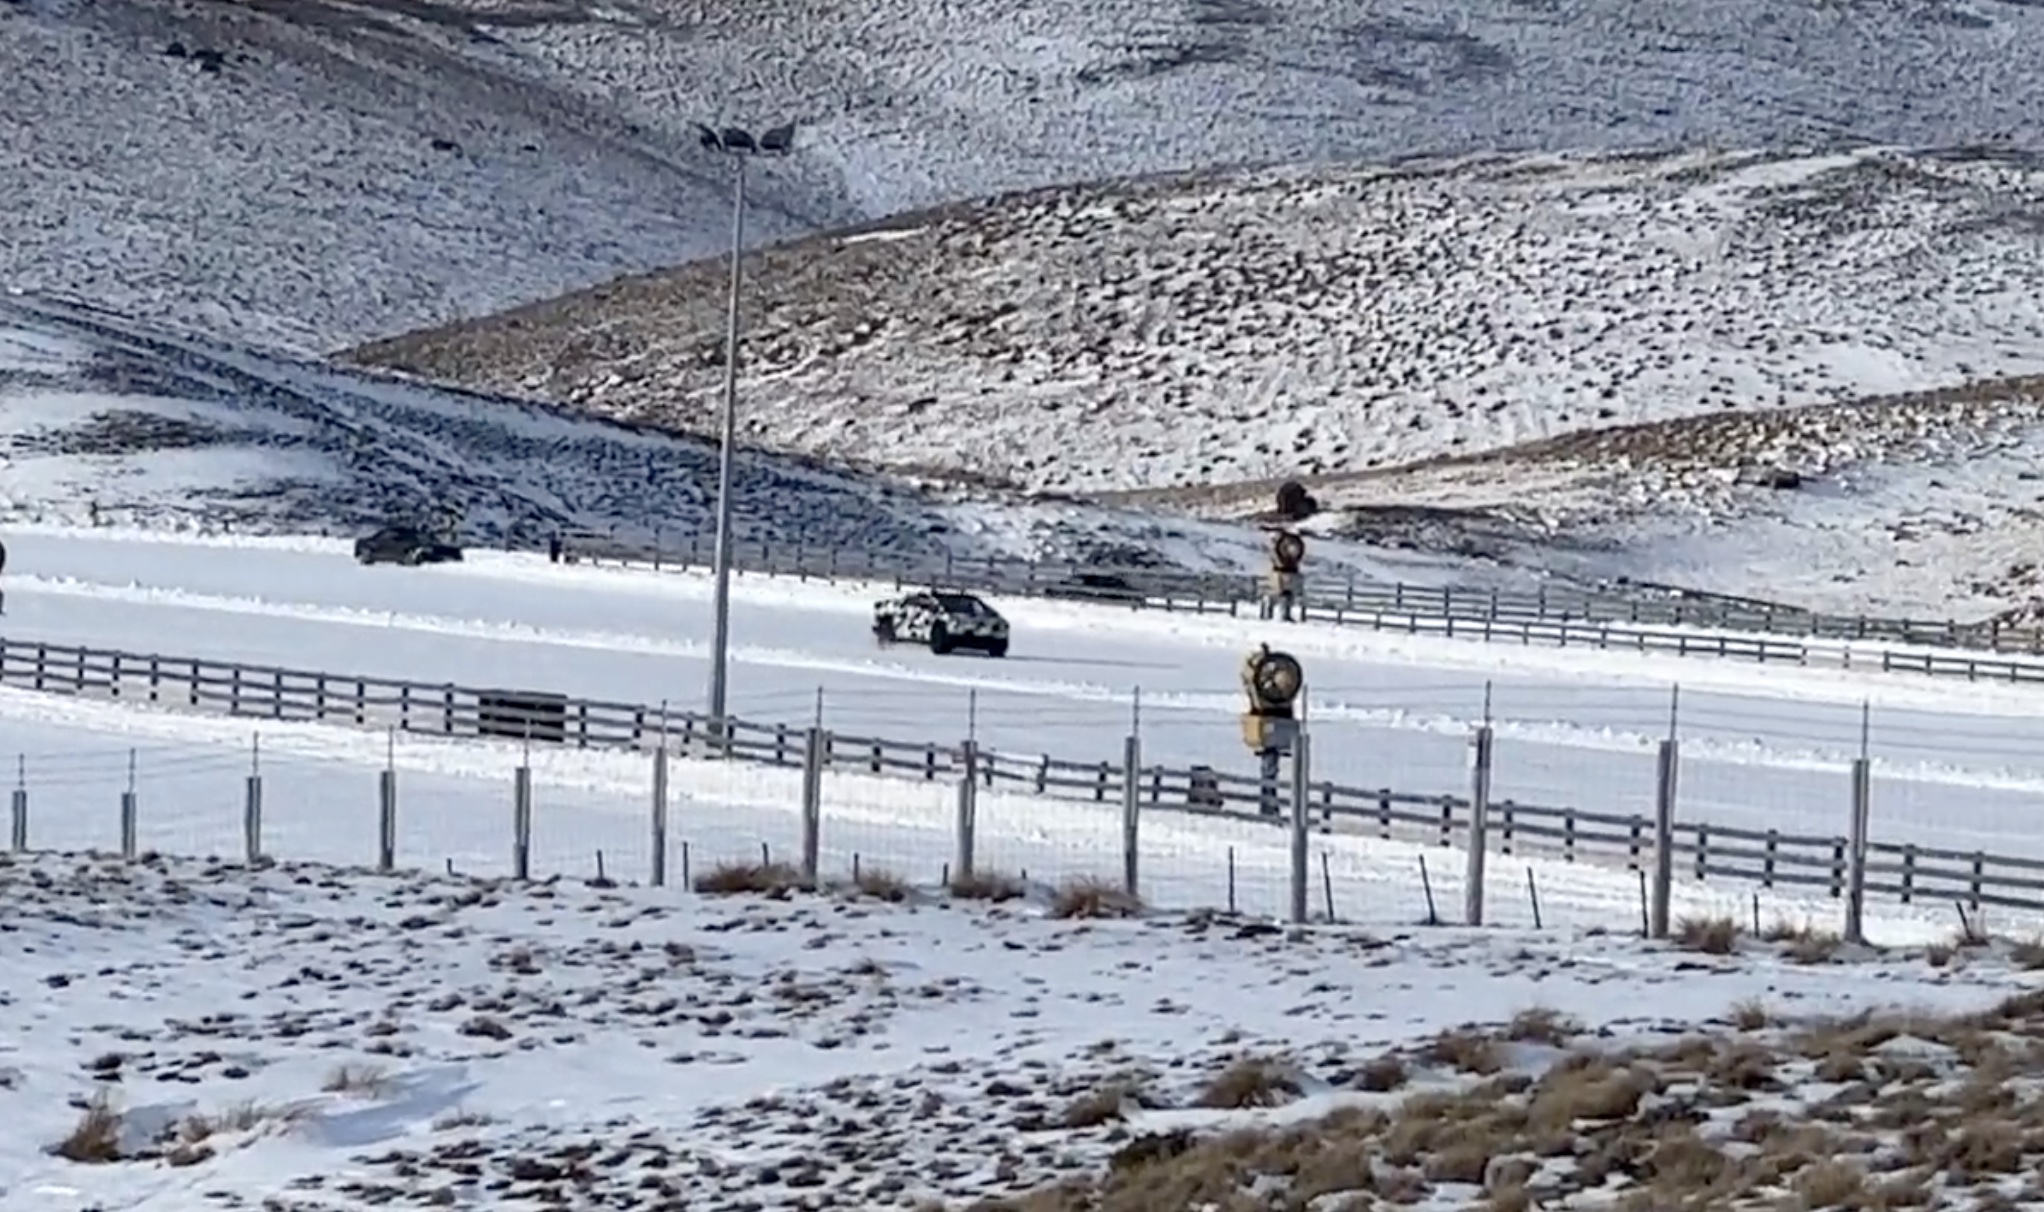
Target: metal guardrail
[1564, 621]
[1700, 850]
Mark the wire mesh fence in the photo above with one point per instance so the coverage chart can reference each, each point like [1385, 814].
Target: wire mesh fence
[1814, 843]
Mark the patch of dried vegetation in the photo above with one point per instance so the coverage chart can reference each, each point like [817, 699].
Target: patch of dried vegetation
[1889, 1110]
[760, 879]
[102, 1134]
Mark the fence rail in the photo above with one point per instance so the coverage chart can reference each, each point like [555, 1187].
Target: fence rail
[1847, 866]
[1557, 618]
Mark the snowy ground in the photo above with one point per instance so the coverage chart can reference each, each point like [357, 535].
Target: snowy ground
[139, 425]
[1202, 332]
[186, 1034]
[359, 170]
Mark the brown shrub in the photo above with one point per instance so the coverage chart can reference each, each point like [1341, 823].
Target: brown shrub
[96, 1137]
[1086, 897]
[765, 879]
[1710, 935]
[1251, 1082]
[986, 886]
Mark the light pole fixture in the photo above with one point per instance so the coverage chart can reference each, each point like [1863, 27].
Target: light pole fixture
[739, 145]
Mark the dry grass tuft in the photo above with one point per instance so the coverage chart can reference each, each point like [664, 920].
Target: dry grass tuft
[1465, 1050]
[1674, 1126]
[881, 884]
[2027, 954]
[1387, 1072]
[1830, 1184]
[1710, 935]
[366, 1081]
[1542, 1025]
[1101, 1105]
[1251, 1082]
[764, 879]
[1751, 1015]
[96, 1138]
[1086, 897]
[243, 1116]
[1804, 943]
[987, 886]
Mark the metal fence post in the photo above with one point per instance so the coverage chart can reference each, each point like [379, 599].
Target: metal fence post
[812, 803]
[1668, 766]
[129, 824]
[1481, 748]
[1131, 813]
[386, 820]
[1856, 852]
[1302, 811]
[252, 820]
[521, 822]
[968, 808]
[17, 820]
[659, 875]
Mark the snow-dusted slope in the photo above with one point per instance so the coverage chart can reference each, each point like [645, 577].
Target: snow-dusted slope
[359, 169]
[1928, 504]
[155, 428]
[147, 426]
[1204, 331]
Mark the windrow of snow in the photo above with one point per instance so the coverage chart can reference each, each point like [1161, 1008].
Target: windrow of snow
[1204, 330]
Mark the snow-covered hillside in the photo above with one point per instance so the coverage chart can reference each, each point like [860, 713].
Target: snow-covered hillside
[1928, 504]
[1203, 331]
[320, 171]
[105, 418]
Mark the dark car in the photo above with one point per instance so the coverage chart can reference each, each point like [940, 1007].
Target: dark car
[405, 544]
[1095, 587]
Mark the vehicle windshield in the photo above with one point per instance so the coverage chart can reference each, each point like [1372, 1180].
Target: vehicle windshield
[959, 604]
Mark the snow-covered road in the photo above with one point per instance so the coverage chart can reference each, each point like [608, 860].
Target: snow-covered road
[1763, 747]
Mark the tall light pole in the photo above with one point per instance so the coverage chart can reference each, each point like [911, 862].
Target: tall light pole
[738, 144]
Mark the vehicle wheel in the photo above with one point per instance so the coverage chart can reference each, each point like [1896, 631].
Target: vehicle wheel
[940, 639]
[409, 559]
[999, 648]
[883, 632]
